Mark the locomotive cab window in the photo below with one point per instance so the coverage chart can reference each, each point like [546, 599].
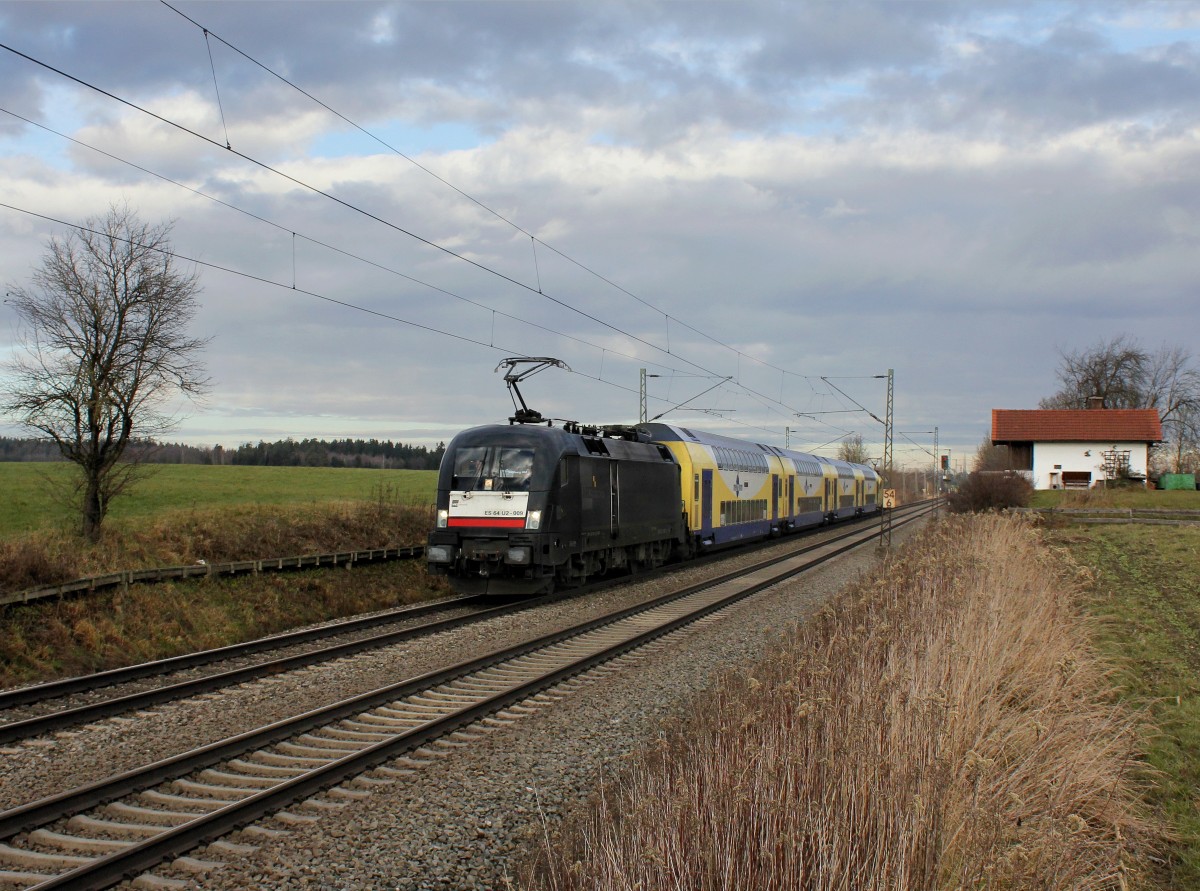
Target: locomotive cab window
[481, 469]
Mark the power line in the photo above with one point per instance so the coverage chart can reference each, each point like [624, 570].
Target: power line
[516, 226]
[266, 281]
[326, 245]
[374, 217]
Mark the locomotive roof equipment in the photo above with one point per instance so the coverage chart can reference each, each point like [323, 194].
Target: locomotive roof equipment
[525, 414]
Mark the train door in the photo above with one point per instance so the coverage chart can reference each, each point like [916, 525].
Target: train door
[614, 489]
[774, 496]
[706, 478]
[791, 496]
[830, 496]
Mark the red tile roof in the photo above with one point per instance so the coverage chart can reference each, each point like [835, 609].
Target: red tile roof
[1077, 425]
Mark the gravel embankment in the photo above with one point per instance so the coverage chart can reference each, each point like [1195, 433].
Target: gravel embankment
[466, 820]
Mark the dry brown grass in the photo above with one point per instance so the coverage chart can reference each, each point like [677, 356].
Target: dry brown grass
[63, 638]
[214, 535]
[943, 724]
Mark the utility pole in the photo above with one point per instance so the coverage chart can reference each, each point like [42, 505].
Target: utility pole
[887, 429]
[787, 437]
[937, 474]
[885, 517]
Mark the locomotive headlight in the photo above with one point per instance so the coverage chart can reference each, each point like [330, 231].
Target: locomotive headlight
[533, 519]
[443, 517]
[439, 553]
[518, 555]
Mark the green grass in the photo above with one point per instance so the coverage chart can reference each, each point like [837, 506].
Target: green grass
[1146, 594]
[1174, 499]
[28, 504]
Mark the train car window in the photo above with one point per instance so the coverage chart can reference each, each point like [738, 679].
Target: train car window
[514, 468]
[564, 476]
[468, 468]
[486, 469]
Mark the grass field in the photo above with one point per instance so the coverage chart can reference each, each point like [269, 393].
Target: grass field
[1144, 589]
[1128, 497]
[28, 504]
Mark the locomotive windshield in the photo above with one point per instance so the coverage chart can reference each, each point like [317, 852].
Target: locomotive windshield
[490, 468]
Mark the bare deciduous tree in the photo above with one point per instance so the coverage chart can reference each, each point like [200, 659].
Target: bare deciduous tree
[852, 449]
[990, 457]
[1113, 370]
[104, 328]
[1125, 375]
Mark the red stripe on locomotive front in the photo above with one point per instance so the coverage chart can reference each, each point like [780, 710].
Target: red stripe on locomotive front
[514, 523]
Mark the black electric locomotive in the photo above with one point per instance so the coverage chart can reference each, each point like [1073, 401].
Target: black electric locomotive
[524, 507]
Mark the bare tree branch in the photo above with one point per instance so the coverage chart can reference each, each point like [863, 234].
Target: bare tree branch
[106, 349]
[1125, 375]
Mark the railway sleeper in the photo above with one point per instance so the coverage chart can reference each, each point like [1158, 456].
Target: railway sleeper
[225, 848]
[135, 814]
[348, 794]
[321, 805]
[278, 759]
[262, 768]
[238, 780]
[317, 753]
[202, 805]
[149, 881]
[39, 860]
[375, 726]
[326, 742]
[63, 842]
[291, 818]
[113, 829]
[224, 793]
[18, 879]
[364, 736]
[195, 865]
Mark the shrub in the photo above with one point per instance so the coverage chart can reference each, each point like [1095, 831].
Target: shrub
[984, 491]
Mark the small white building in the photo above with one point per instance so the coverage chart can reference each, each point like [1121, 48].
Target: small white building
[1068, 449]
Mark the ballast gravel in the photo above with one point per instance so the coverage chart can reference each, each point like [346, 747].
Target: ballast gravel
[466, 820]
[468, 817]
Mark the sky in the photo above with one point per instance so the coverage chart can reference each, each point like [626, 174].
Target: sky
[766, 205]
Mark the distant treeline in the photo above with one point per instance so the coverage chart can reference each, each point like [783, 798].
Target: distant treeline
[282, 453]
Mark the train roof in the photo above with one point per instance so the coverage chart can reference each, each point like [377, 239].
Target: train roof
[559, 440]
[672, 433]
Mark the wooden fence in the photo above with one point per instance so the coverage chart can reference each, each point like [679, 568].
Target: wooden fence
[200, 570]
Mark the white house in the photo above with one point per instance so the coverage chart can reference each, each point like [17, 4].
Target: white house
[1067, 449]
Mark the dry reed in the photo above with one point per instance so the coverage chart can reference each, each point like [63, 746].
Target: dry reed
[942, 724]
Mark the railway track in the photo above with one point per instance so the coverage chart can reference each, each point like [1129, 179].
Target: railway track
[96, 835]
[41, 695]
[32, 711]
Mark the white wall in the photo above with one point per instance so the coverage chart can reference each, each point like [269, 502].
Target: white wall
[1081, 456]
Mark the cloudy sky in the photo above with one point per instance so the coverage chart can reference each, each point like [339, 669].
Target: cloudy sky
[795, 197]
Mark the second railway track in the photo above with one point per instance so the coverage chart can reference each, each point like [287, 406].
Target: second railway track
[57, 705]
[145, 816]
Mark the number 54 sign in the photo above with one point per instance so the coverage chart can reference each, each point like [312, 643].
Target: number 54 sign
[889, 498]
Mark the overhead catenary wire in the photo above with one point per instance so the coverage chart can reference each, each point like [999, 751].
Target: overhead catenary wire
[347, 204]
[376, 218]
[208, 264]
[482, 205]
[326, 245]
[676, 373]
